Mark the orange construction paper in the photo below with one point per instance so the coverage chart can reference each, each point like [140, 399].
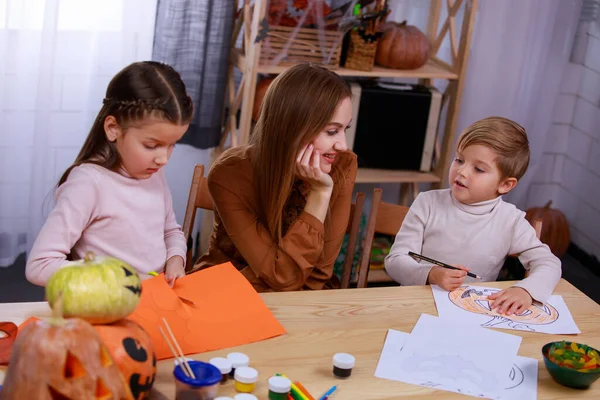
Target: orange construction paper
[228, 311]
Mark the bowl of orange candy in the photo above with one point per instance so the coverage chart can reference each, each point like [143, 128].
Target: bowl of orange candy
[572, 364]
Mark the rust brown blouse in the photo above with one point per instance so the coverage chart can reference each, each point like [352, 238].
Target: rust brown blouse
[304, 259]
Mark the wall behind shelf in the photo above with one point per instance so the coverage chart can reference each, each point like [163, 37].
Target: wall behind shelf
[570, 173]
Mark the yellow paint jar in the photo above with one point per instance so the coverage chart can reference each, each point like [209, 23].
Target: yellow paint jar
[245, 379]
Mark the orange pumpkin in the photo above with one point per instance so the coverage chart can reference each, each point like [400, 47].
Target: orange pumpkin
[402, 46]
[131, 348]
[259, 94]
[555, 228]
[10, 330]
[62, 359]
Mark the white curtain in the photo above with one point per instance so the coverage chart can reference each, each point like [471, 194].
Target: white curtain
[56, 59]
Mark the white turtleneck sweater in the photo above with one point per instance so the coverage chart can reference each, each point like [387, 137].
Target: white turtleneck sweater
[479, 236]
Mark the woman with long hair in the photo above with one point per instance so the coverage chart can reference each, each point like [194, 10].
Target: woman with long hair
[282, 202]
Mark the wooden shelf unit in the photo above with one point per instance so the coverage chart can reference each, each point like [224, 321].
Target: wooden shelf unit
[247, 60]
[434, 69]
[431, 70]
[367, 175]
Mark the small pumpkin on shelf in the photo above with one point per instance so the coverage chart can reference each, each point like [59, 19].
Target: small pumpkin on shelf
[402, 46]
[555, 228]
[62, 359]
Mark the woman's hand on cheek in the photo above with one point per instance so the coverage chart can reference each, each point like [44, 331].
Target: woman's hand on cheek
[308, 167]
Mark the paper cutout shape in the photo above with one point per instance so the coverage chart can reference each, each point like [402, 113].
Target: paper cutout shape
[228, 311]
[469, 305]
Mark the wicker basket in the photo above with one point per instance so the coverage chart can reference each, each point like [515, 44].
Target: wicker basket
[361, 52]
[308, 45]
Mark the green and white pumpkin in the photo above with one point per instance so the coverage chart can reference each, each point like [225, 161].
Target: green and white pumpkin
[100, 290]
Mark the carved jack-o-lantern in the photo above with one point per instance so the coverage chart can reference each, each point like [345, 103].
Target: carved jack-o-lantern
[477, 302]
[100, 290]
[132, 350]
[10, 333]
[62, 360]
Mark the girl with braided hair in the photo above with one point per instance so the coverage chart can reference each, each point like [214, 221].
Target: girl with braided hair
[114, 199]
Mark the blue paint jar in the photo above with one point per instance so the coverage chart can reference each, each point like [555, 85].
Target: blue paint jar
[204, 386]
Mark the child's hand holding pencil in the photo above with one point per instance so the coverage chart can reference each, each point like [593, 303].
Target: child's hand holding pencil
[447, 279]
[446, 276]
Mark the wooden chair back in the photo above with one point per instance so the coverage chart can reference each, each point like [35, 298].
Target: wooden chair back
[384, 218]
[353, 231]
[199, 197]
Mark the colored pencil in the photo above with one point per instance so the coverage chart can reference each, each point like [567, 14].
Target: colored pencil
[439, 263]
[328, 393]
[303, 390]
[295, 392]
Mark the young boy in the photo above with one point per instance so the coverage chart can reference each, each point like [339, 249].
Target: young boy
[471, 227]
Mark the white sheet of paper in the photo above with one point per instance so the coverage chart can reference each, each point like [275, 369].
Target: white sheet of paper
[468, 305]
[519, 384]
[442, 353]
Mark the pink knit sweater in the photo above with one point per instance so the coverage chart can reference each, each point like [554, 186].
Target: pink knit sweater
[110, 214]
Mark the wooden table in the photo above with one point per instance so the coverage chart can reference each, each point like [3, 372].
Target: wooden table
[356, 321]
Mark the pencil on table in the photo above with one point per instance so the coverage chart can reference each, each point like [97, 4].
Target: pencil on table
[328, 393]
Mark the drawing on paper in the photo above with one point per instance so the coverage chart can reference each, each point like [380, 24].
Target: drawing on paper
[516, 377]
[476, 301]
[452, 367]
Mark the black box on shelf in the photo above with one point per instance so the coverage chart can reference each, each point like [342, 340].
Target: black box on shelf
[394, 125]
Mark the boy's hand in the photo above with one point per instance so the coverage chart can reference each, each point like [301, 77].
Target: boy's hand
[174, 269]
[446, 278]
[513, 300]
